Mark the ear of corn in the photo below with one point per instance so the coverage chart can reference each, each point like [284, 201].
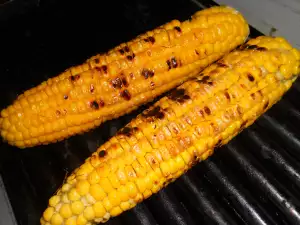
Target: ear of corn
[179, 130]
[110, 85]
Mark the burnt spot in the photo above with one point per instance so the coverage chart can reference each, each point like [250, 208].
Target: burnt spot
[92, 88]
[121, 51]
[210, 83]
[126, 95]
[218, 144]
[156, 182]
[104, 68]
[128, 131]
[58, 112]
[66, 97]
[197, 53]
[147, 73]
[131, 75]
[152, 84]
[172, 63]
[117, 83]
[204, 80]
[156, 112]
[250, 77]
[94, 105]
[222, 64]
[129, 57]
[244, 124]
[101, 103]
[262, 49]
[124, 82]
[207, 110]
[177, 29]
[259, 92]
[153, 161]
[150, 39]
[252, 47]
[214, 127]
[126, 49]
[266, 105]
[75, 77]
[102, 153]
[96, 60]
[201, 113]
[253, 96]
[98, 68]
[227, 95]
[178, 95]
[239, 110]
[243, 86]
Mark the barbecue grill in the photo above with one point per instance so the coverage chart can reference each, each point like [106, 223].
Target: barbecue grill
[255, 179]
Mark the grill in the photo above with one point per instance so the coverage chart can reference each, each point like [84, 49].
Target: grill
[255, 179]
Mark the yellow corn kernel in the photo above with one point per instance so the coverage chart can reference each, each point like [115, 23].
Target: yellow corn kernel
[81, 220]
[99, 210]
[54, 200]
[89, 213]
[77, 207]
[48, 213]
[73, 195]
[65, 211]
[82, 187]
[115, 211]
[73, 102]
[56, 219]
[71, 221]
[97, 192]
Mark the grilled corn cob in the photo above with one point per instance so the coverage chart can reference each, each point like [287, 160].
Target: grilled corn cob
[179, 130]
[110, 85]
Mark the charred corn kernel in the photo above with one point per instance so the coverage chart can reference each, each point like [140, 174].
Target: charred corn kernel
[124, 78]
[189, 122]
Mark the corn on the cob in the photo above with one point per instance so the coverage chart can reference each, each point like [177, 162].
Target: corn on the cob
[179, 130]
[110, 85]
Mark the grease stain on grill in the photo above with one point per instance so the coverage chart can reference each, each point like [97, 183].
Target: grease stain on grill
[94, 105]
[126, 95]
[207, 110]
[147, 73]
[250, 77]
[178, 95]
[177, 29]
[96, 60]
[74, 77]
[128, 131]
[66, 97]
[155, 112]
[102, 153]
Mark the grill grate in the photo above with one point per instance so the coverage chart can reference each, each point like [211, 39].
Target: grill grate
[255, 179]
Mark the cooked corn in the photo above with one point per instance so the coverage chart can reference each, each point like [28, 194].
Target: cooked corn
[179, 130]
[110, 85]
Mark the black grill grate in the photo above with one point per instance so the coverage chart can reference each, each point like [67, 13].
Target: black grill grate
[255, 179]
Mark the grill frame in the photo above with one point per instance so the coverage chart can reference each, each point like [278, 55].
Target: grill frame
[234, 186]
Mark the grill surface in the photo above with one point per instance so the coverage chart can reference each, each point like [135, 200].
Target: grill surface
[253, 180]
